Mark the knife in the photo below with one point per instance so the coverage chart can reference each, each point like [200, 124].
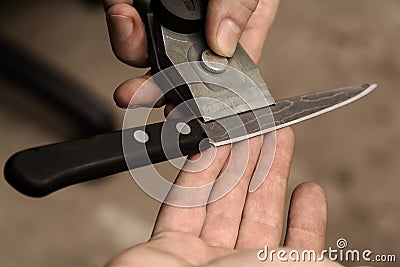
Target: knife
[37, 172]
[244, 107]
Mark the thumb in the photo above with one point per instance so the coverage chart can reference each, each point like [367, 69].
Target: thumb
[225, 22]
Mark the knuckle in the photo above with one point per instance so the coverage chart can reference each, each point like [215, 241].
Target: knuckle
[225, 215]
[250, 5]
[107, 4]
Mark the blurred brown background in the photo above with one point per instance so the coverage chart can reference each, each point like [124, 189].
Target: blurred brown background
[314, 45]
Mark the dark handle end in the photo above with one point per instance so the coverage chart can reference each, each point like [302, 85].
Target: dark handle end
[37, 172]
[182, 16]
[18, 179]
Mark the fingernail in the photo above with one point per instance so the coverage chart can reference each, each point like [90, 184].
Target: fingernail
[121, 26]
[228, 36]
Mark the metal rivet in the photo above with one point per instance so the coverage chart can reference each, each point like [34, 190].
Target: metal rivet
[141, 136]
[213, 62]
[183, 128]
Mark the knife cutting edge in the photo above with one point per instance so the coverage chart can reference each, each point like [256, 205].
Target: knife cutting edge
[40, 171]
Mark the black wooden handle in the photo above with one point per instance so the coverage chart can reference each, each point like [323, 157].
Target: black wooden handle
[40, 171]
[183, 16]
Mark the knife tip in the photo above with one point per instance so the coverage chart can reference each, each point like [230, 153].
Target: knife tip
[369, 86]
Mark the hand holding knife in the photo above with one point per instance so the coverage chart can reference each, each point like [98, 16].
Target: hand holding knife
[175, 34]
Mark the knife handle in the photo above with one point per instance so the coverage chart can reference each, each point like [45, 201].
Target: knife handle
[181, 16]
[39, 171]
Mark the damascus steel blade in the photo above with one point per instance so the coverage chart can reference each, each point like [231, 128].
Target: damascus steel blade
[284, 113]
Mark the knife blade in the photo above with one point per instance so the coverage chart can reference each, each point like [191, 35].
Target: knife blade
[285, 113]
[42, 170]
[176, 37]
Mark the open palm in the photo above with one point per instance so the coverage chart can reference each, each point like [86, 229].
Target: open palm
[232, 229]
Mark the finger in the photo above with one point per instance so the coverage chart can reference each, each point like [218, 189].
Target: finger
[191, 220]
[257, 28]
[173, 112]
[139, 92]
[127, 34]
[307, 218]
[263, 214]
[223, 216]
[108, 3]
[225, 22]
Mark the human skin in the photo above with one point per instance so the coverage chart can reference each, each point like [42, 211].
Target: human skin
[230, 231]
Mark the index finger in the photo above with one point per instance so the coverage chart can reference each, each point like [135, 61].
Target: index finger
[190, 219]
